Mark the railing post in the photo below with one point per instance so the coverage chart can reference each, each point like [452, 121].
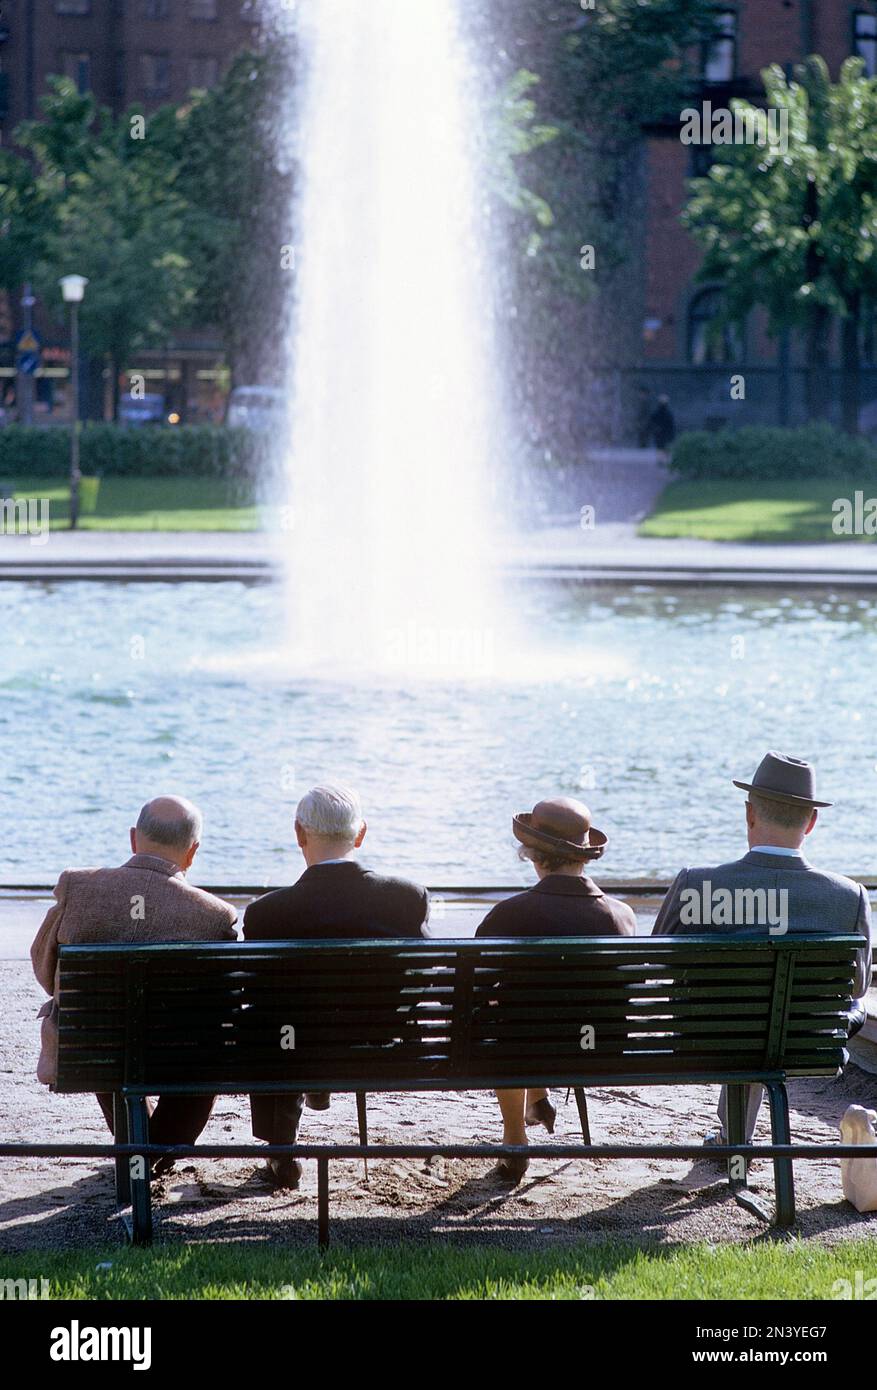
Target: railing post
[323, 1202]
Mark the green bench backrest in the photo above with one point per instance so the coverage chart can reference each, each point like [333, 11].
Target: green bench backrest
[383, 1015]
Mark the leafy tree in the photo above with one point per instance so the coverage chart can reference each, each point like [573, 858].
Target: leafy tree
[594, 79]
[92, 203]
[237, 181]
[603, 74]
[125, 231]
[795, 230]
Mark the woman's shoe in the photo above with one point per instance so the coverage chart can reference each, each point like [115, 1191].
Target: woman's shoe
[510, 1169]
[542, 1113]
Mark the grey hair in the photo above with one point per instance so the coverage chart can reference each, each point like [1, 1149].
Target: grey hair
[332, 811]
[180, 831]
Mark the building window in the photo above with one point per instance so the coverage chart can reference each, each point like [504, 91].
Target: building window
[77, 66]
[203, 72]
[710, 342]
[720, 54]
[155, 71]
[202, 9]
[156, 9]
[72, 6]
[865, 40]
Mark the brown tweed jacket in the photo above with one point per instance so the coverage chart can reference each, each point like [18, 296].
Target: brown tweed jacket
[146, 900]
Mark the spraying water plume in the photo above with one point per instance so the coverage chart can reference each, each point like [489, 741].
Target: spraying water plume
[392, 399]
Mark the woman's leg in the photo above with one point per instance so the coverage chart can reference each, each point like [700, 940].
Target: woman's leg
[511, 1103]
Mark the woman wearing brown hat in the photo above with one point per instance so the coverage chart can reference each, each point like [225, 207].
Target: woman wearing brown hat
[559, 840]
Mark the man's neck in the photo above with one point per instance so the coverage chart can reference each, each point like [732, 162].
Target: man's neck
[765, 845]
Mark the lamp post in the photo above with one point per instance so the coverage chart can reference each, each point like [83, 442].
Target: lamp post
[73, 290]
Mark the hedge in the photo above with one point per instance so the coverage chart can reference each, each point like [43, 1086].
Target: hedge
[814, 451]
[201, 451]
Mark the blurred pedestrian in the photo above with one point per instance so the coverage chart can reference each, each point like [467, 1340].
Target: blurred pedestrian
[662, 424]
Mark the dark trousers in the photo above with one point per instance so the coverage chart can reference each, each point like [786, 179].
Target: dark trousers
[173, 1120]
[276, 1117]
[858, 1017]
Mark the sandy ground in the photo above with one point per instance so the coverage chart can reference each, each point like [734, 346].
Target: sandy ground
[54, 1203]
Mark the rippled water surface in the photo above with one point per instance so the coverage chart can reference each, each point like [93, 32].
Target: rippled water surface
[643, 702]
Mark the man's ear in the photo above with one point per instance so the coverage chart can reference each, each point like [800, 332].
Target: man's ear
[133, 834]
[191, 855]
[361, 836]
[811, 825]
[300, 834]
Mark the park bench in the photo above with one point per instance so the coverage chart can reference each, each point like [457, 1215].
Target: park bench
[369, 1016]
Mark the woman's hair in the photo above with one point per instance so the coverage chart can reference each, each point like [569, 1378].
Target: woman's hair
[548, 860]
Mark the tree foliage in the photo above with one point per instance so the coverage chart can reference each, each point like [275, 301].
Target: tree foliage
[175, 217]
[792, 226]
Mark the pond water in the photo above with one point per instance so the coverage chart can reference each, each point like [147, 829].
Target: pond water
[644, 702]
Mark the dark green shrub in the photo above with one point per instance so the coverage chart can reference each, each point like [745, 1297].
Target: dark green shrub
[191, 451]
[814, 451]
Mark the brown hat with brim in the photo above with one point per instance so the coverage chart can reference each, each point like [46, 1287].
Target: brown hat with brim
[563, 827]
[780, 778]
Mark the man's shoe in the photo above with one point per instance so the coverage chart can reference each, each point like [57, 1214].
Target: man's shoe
[318, 1100]
[542, 1113]
[510, 1170]
[283, 1172]
[713, 1140]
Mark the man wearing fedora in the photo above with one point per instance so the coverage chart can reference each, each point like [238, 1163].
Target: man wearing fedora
[781, 811]
[558, 838]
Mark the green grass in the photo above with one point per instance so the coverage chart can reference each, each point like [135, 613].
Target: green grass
[796, 510]
[154, 504]
[608, 1270]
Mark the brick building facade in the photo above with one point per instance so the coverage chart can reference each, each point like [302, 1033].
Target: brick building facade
[125, 51]
[681, 355]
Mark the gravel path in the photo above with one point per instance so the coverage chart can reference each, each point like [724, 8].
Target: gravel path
[55, 1204]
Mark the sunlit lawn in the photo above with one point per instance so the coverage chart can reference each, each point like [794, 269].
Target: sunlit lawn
[729, 510]
[436, 1270]
[154, 504]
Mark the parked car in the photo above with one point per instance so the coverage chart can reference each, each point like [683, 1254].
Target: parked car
[141, 410]
[256, 408]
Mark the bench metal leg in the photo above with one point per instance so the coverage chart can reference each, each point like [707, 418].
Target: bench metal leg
[323, 1202]
[584, 1119]
[736, 1127]
[362, 1121]
[141, 1196]
[120, 1134]
[784, 1173]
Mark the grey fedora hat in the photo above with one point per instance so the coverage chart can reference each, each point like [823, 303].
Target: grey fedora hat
[780, 778]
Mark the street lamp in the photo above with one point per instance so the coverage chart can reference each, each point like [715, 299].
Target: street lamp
[73, 290]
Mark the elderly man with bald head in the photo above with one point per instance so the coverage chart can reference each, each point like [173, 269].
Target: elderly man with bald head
[145, 901]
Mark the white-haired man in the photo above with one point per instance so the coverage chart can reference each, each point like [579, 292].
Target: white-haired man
[145, 901]
[336, 897]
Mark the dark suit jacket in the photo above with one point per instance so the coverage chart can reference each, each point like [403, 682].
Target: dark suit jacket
[338, 901]
[560, 905]
[817, 901]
